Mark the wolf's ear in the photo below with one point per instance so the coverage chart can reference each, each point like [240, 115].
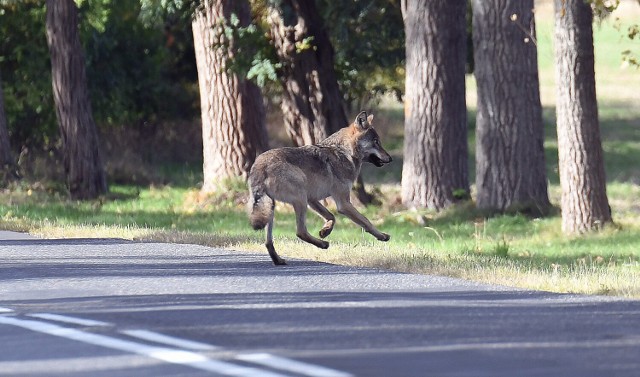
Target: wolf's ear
[362, 122]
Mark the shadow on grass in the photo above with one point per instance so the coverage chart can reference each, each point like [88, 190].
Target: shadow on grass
[620, 133]
[215, 239]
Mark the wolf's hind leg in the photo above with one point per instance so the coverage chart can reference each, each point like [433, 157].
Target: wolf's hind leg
[301, 226]
[329, 218]
[269, 244]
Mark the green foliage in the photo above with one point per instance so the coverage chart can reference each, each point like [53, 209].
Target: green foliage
[129, 68]
[305, 44]
[153, 10]
[633, 34]
[368, 38]
[251, 54]
[26, 72]
[461, 194]
[501, 248]
[137, 72]
[602, 9]
[262, 71]
[96, 13]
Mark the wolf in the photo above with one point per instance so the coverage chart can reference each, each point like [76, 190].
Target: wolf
[303, 176]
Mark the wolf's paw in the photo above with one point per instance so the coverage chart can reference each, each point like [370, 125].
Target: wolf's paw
[280, 262]
[320, 244]
[324, 232]
[383, 237]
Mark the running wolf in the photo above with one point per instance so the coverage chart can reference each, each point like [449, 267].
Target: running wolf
[305, 175]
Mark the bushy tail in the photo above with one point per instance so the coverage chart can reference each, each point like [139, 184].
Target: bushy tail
[260, 205]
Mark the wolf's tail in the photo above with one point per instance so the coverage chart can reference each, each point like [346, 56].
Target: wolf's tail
[260, 205]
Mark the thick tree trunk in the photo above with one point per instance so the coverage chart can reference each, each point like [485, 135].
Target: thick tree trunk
[312, 105]
[8, 168]
[510, 163]
[82, 162]
[435, 145]
[233, 117]
[584, 197]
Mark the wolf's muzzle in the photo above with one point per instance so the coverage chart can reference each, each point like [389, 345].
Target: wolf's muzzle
[377, 161]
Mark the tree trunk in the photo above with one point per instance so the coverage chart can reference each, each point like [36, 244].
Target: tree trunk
[435, 165]
[312, 105]
[584, 195]
[233, 116]
[8, 166]
[81, 149]
[510, 163]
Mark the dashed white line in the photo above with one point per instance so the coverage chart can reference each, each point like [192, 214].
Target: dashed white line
[174, 356]
[169, 340]
[67, 319]
[5, 310]
[289, 365]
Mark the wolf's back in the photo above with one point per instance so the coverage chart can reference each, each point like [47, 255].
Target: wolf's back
[260, 205]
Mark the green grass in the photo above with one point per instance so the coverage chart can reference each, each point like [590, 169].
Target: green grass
[511, 249]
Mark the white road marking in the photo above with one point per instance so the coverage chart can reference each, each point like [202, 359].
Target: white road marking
[88, 365]
[288, 365]
[67, 319]
[5, 310]
[169, 340]
[174, 356]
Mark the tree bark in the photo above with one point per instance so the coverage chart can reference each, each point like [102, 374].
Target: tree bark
[233, 116]
[8, 168]
[81, 149]
[510, 163]
[584, 197]
[435, 165]
[312, 104]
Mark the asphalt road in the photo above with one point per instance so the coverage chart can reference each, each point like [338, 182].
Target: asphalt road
[109, 307]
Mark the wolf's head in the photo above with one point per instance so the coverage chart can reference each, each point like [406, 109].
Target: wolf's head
[368, 142]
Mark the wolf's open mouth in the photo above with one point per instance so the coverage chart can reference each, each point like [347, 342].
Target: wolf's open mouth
[377, 161]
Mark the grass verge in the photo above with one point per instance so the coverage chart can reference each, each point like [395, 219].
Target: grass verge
[510, 250]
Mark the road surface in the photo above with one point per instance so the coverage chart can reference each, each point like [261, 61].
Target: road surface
[109, 307]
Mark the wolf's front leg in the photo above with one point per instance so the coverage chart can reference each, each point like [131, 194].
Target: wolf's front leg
[346, 208]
